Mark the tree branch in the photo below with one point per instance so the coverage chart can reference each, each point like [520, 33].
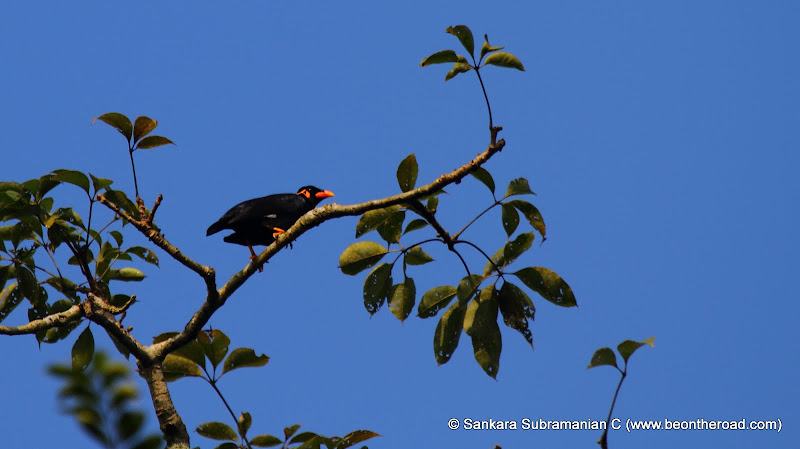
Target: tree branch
[54, 320]
[170, 423]
[106, 320]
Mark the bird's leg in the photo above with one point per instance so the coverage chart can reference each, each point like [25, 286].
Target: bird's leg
[253, 257]
[278, 231]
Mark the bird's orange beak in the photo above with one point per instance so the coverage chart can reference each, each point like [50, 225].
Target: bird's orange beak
[324, 194]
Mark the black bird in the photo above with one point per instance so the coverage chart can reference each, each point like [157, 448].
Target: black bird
[259, 221]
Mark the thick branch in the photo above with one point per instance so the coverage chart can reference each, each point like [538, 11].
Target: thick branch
[57, 319]
[107, 321]
[169, 421]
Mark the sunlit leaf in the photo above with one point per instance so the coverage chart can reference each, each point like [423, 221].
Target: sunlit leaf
[504, 59]
[390, 230]
[215, 345]
[142, 126]
[463, 33]
[628, 347]
[468, 287]
[480, 323]
[548, 284]
[243, 358]
[434, 300]
[127, 274]
[72, 177]
[416, 256]
[402, 298]
[458, 67]
[153, 141]
[439, 57]
[374, 218]
[518, 186]
[217, 431]
[100, 183]
[175, 367]
[118, 122]
[603, 356]
[486, 48]
[354, 438]
[415, 224]
[376, 287]
[83, 350]
[359, 256]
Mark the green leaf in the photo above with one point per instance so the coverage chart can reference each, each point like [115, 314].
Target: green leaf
[265, 441]
[532, 214]
[72, 177]
[142, 126]
[603, 356]
[302, 437]
[439, 57]
[215, 345]
[289, 431]
[510, 252]
[518, 186]
[217, 431]
[483, 175]
[628, 347]
[463, 33]
[152, 142]
[127, 274]
[376, 287]
[391, 228]
[416, 256]
[192, 350]
[374, 218]
[152, 442]
[83, 351]
[100, 183]
[143, 253]
[407, 173]
[448, 332]
[480, 323]
[432, 204]
[9, 300]
[244, 422]
[118, 122]
[361, 255]
[434, 300]
[548, 284]
[516, 308]
[243, 358]
[414, 225]
[468, 287]
[458, 67]
[504, 59]
[176, 367]
[402, 298]
[486, 48]
[510, 219]
[122, 395]
[228, 445]
[355, 437]
[117, 236]
[129, 423]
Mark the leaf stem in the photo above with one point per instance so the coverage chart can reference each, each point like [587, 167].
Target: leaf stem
[213, 384]
[603, 441]
[133, 167]
[485, 96]
[457, 234]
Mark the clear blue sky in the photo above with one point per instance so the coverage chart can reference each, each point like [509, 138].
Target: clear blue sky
[661, 138]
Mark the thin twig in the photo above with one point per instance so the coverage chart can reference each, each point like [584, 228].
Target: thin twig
[213, 384]
[603, 441]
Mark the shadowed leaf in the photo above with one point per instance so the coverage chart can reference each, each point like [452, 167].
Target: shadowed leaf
[439, 57]
[215, 345]
[407, 173]
[603, 356]
[391, 229]
[376, 287]
[463, 33]
[510, 219]
[243, 358]
[510, 252]
[548, 284]
[72, 177]
[265, 441]
[480, 323]
[416, 256]
[532, 214]
[244, 422]
[415, 224]
[504, 59]
[518, 186]
[83, 351]
[448, 332]
[516, 308]
[129, 423]
[374, 218]
[100, 183]
[483, 175]
[359, 256]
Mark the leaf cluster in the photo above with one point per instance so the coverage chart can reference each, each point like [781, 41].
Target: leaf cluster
[468, 306]
[102, 398]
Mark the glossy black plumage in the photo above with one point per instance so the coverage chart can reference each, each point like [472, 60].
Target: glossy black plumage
[260, 220]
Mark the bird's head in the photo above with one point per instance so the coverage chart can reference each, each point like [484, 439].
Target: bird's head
[314, 194]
